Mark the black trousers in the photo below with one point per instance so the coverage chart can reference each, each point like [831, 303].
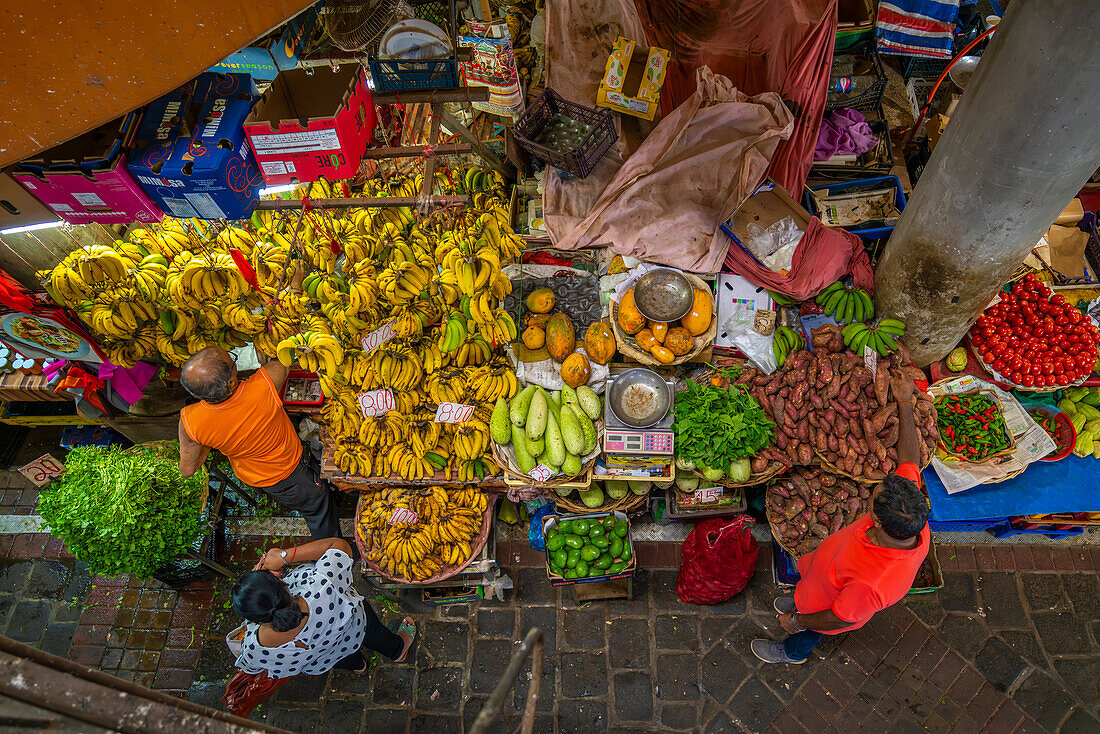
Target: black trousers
[377, 638]
[301, 492]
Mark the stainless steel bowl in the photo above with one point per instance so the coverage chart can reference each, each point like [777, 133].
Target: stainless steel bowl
[964, 69]
[639, 397]
[663, 294]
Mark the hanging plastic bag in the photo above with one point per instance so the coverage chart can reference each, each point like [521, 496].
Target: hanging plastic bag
[534, 534]
[719, 558]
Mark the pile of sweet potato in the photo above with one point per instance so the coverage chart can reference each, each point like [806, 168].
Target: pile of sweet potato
[828, 404]
[809, 504]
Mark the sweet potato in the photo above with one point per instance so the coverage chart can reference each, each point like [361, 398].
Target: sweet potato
[882, 385]
[841, 429]
[804, 431]
[832, 442]
[828, 480]
[819, 530]
[776, 455]
[785, 391]
[856, 429]
[836, 522]
[864, 492]
[781, 440]
[891, 437]
[775, 385]
[805, 454]
[794, 507]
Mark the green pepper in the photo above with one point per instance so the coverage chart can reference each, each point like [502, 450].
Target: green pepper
[572, 558]
[573, 541]
[590, 552]
[617, 567]
[600, 541]
[580, 527]
[554, 542]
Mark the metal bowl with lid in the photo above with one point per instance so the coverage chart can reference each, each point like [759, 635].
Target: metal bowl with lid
[663, 294]
[639, 397]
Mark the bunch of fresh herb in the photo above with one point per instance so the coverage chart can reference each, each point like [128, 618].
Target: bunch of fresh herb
[715, 425]
[124, 511]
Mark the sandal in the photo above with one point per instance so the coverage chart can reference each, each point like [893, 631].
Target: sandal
[408, 626]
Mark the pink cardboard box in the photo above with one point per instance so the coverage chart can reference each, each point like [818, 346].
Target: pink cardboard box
[306, 126]
[109, 195]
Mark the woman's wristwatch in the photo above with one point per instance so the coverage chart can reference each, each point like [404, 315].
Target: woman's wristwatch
[282, 554]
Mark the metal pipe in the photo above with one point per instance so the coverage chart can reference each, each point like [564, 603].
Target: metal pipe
[1020, 145]
[534, 643]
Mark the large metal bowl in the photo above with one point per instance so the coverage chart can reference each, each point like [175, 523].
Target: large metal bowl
[663, 294]
[964, 69]
[639, 397]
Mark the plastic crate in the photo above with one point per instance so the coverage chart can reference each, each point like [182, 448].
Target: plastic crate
[864, 231]
[1015, 527]
[1092, 256]
[875, 162]
[300, 375]
[75, 436]
[870, 99]
[580, 161]
[395, 75]
[965, 526]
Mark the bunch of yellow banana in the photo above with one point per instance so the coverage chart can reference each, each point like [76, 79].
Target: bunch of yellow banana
[130, 252]
[353, 458]
[431, 356]
[404, 462]
[384, 430]
[278, 327]
[405, 280]
[183, 323]
[452, 333]
[474, 350]
[362, 282]
[238, 238]
[398, 368]
[205, 279]
[447, 388]
[173, 352]
[272, 263]
[409, 319]
[149, 277]
[341, 414]
[245, 315]
[423, 433]
[471, 440]
[119, 313]
[493, 382]
[357, 371]
[315, 351]
[64, 283]
[456, 525]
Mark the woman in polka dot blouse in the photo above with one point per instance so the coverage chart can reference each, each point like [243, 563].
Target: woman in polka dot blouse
[310, 619]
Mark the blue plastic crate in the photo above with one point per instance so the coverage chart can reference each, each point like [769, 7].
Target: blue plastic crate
[1007, 529]
[965, 526]
[866, 232]
[786, 572]
[74, 436]
[396, 76]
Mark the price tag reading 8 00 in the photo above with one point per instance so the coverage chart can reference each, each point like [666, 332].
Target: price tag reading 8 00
[378, 337]
[375, 403]
[453, 413]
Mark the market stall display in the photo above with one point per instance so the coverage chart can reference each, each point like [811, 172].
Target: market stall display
[671, 342]
[1080, 405]
[592, 547]
[972, 427]
[809, 504]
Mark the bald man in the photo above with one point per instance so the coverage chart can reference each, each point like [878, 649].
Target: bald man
[246, 422]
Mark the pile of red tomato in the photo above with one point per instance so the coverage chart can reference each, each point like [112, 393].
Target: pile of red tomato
[1034, 339]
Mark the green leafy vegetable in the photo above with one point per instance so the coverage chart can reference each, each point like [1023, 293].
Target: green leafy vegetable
[715, 425]
[124, 511]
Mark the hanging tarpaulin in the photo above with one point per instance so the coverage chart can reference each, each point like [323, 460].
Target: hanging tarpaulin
[916, 27]
[783, 46]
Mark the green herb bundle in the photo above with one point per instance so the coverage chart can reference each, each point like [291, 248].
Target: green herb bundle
[715, 425]
[124, 511]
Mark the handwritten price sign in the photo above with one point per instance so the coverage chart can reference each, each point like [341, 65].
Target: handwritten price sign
[541, 473]
[453, 413]
[375, 403]
[378, 337]
[870, 358]
[708, 495]
[401, 515]
[43, 470]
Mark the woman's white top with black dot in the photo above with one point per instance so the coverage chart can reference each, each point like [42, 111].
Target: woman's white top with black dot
[335, 627]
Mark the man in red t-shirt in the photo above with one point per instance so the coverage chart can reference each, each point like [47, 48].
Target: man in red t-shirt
[865, 567]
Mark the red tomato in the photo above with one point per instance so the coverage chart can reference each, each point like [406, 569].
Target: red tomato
[1063, 380]
[1027, 380]
[1059, 368]
[1074, 316]
[1058, 299]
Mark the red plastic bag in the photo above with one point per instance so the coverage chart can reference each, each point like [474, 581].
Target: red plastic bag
[246, 691]
[719, 558]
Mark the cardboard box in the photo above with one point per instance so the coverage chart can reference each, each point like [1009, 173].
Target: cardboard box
[264, 61]
[18, 208]
[108, 196]
[210, 172]
[94, 150]
[167, 117]
[306, 126]
[767, 205]
[630, 85]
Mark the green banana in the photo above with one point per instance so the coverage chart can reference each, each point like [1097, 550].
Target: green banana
[888, 343]
[823, 296]
[892, 326]
[868, 304]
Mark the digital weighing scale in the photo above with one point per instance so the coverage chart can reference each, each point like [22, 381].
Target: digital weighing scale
[636, 452]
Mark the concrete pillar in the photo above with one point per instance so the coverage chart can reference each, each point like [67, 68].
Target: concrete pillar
[1023, 140]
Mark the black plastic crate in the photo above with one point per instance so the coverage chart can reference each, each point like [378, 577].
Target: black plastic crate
[394, 75]
[871, 98]
[874, 162]
[580, 161]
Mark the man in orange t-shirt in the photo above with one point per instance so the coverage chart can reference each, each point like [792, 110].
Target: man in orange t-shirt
[865, 567]
[246, 422]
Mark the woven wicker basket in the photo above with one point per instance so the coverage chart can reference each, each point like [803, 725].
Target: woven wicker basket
[476, 544]
[626, 503]
[628, 345]
[774, 469]
[505, 459]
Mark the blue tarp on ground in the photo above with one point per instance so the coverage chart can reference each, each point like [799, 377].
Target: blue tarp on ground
[1069, 485]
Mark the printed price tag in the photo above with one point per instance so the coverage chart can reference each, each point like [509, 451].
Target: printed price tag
[376, 402]
[378, 337]
[453, 413]
[403, 515]
[710, 494]
[43, 470]
[541, 473]
[870, 358]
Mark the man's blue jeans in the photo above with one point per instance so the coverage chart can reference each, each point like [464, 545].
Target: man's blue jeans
[799, 646]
